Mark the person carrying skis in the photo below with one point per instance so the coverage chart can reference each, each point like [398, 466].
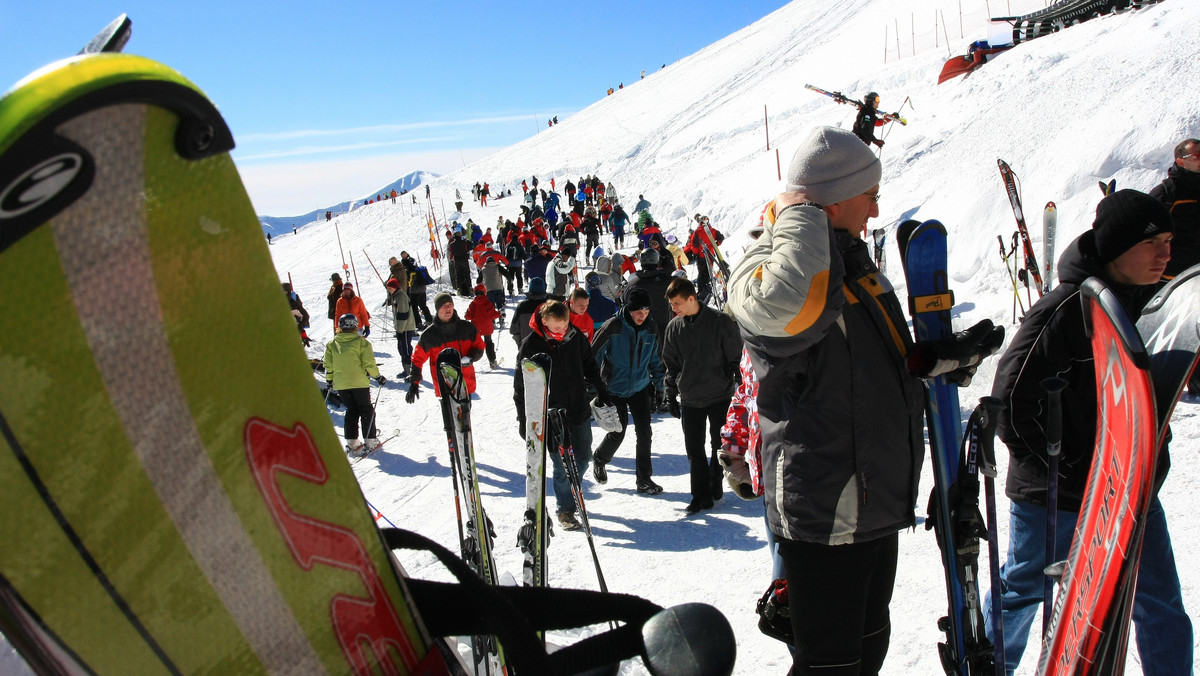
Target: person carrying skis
[1128, 247]
[349, 361]
[867, 120]
[483, 314]
[702, 247]
[626, 350]
[840, 415]
[571, 366]
[447, 330]
[335, 292]
[350, 303]
[701, 350]
[1180, 192]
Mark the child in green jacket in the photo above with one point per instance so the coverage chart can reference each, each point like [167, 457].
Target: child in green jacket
[349, 360]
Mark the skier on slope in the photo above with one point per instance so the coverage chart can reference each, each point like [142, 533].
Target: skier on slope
[1128, 248]
[829, 365]
[483, 314]
[298, 311]
[349, 361]
[335, 292]
[350, 303]
[626, 349]
[447, 330]
[867, 119]
[572, 365]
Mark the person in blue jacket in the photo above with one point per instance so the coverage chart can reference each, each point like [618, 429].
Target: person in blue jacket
[535, 266]
[601, 308]
[626, 349]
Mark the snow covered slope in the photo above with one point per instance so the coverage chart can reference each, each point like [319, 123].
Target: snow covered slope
[1106, 99]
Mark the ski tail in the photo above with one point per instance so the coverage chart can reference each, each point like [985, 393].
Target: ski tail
[535, 529]
[1013, 189]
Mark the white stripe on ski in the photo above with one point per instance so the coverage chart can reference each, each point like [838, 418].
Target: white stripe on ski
[119, 313]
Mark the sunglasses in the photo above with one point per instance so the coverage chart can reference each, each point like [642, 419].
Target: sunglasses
[873, 195]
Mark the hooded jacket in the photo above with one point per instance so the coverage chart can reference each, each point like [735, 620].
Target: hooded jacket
[571, 365]
[701, 354]
[1180, 191]
[842, 421]
[457, 333]
[354, 306]
[483, 314]
[560, 277]
[628, 355]
[349, 360]
[1052, 342]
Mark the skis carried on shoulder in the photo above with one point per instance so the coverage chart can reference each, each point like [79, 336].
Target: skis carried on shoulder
[842, 98]
[955, 522]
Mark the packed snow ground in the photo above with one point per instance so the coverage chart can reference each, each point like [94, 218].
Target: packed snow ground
[1098, 101]
[1106, 99]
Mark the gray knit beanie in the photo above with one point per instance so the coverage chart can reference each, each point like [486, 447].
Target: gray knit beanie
[833, 165]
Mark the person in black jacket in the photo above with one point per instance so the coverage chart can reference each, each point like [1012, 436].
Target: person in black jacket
[572, 365]
[655, 281]
[524, 312]
[1128, 248]
[701, 352]
[866, 121]
[460, 257]
[1180, 192]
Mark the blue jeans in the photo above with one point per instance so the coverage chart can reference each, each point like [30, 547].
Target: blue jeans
[581, 446]
[1164, 632]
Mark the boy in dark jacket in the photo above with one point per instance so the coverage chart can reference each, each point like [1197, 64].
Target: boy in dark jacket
[572, 365]
[1128, 248]
[701, 351]
[447, 330]
[626, 350]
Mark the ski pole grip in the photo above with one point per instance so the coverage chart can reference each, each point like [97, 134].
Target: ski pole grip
[1054, 387]
[990, 408]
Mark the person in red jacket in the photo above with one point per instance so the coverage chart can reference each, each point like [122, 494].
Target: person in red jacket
[352, 304]
[483, 314]
[580, 319]
[446, 330]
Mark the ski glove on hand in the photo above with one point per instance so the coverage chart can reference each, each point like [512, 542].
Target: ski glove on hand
[414, 391]
[673, 407]
[957, 356]
[380, 380]
[366, 332]
[737, 472]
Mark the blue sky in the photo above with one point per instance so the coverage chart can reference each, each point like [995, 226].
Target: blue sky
[328, 101]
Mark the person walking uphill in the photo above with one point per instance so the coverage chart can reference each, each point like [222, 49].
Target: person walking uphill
[867, 120]
[840, 414]
[349, 361]
[447, 330]
[335, 292]
[626, 349]
[1128, 248]
[352, 304]
[572, 365]
[701, 351]
[483, 314]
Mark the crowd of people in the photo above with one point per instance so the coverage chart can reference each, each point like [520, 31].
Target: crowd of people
[805, 392]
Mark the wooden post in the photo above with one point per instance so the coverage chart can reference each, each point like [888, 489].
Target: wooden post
[338, 231]
[947, 35]
[897, 22]
[767, 127]
[778, 170]
[961, 33]
[354, 271]
[885, 37]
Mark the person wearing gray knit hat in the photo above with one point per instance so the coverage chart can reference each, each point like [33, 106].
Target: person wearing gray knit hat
[839, 421]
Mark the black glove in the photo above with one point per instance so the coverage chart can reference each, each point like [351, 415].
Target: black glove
[673, 407]
[521, 426]
[878, 142]
[380, 380]
[957, 356]
[414, 391]
[366, 332]
[603, 398]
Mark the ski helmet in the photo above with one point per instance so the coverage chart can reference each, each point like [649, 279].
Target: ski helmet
[348, 322]
[606, 416]
[871, 99]
[649, 257]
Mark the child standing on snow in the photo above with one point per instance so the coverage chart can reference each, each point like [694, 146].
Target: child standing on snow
[483, 314]
[349, 360]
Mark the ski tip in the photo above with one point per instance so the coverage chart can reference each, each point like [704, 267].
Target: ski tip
[112, 39]
[691, 639]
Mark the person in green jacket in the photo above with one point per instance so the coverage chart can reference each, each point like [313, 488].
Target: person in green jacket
[349, 361]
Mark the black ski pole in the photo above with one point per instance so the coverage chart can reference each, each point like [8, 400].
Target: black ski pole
[567, 455]
[989, 408]
[1054, 387]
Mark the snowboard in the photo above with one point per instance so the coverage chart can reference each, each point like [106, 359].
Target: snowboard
[197, 519]
[1089, 612]
[967, 649]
